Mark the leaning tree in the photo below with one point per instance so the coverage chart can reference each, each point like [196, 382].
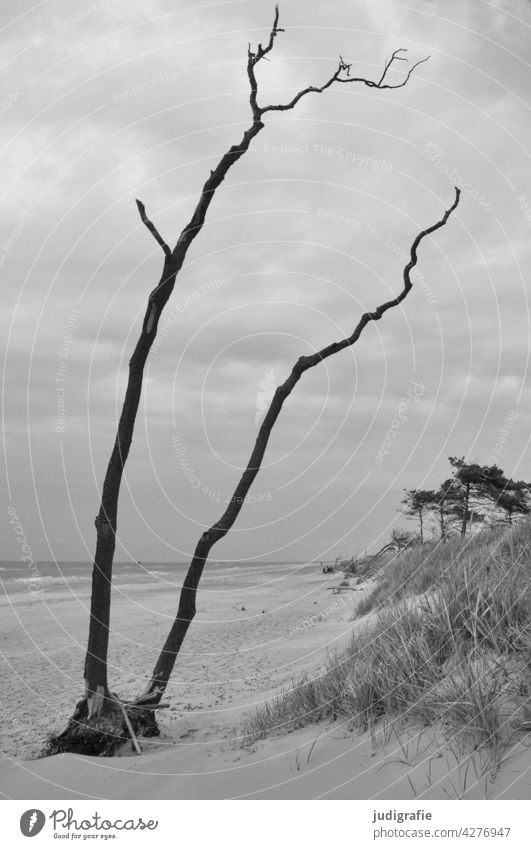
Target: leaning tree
[101, 720]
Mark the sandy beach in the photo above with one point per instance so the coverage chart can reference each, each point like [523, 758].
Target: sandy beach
[257, 628]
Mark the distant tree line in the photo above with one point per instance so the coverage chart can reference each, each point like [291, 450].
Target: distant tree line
[474, 495]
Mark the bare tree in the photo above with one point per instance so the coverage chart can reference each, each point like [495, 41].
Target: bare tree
[95, 722]
[186, 609]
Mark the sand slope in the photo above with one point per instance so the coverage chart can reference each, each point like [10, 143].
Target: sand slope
[321, 761]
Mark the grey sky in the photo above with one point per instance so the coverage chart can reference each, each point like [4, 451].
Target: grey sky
[109, 101]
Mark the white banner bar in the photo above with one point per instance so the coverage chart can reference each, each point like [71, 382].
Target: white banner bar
[264, 825]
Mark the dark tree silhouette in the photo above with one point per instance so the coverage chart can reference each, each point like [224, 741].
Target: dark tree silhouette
[486, 490]
[106, 521]
[475, 494]
[514, 500]
[99, 717]
[508, 496]
[471, 477]
[417, 503]
[448, 507]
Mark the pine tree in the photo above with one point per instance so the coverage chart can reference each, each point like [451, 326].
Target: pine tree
[419, 503]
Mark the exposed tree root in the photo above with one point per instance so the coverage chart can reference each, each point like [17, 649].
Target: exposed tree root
[104, 734]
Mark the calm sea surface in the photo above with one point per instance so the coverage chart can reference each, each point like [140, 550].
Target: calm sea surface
[49, 576]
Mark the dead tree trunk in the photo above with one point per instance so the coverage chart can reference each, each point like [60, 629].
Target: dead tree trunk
[186, 609]
[98, 700]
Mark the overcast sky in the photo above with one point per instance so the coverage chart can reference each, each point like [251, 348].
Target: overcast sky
[108, 101]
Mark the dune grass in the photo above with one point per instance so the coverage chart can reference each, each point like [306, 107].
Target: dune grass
[450, 644]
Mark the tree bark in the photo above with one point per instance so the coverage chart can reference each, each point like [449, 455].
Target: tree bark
[186, 608]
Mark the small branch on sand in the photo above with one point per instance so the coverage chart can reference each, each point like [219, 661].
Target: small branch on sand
[127, 721]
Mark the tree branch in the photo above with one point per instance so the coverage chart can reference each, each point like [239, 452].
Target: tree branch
[151, 227]
[337, 78]
[186, 609]
[283, 107]
[397, 58]
[254, 58]
[343, 67]
[263, 51]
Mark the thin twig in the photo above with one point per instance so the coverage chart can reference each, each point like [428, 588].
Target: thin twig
[132, 734]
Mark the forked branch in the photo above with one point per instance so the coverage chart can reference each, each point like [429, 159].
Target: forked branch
[186, 609]
[263, 51]
[217, 175]
[396, 57]
[340, 75]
